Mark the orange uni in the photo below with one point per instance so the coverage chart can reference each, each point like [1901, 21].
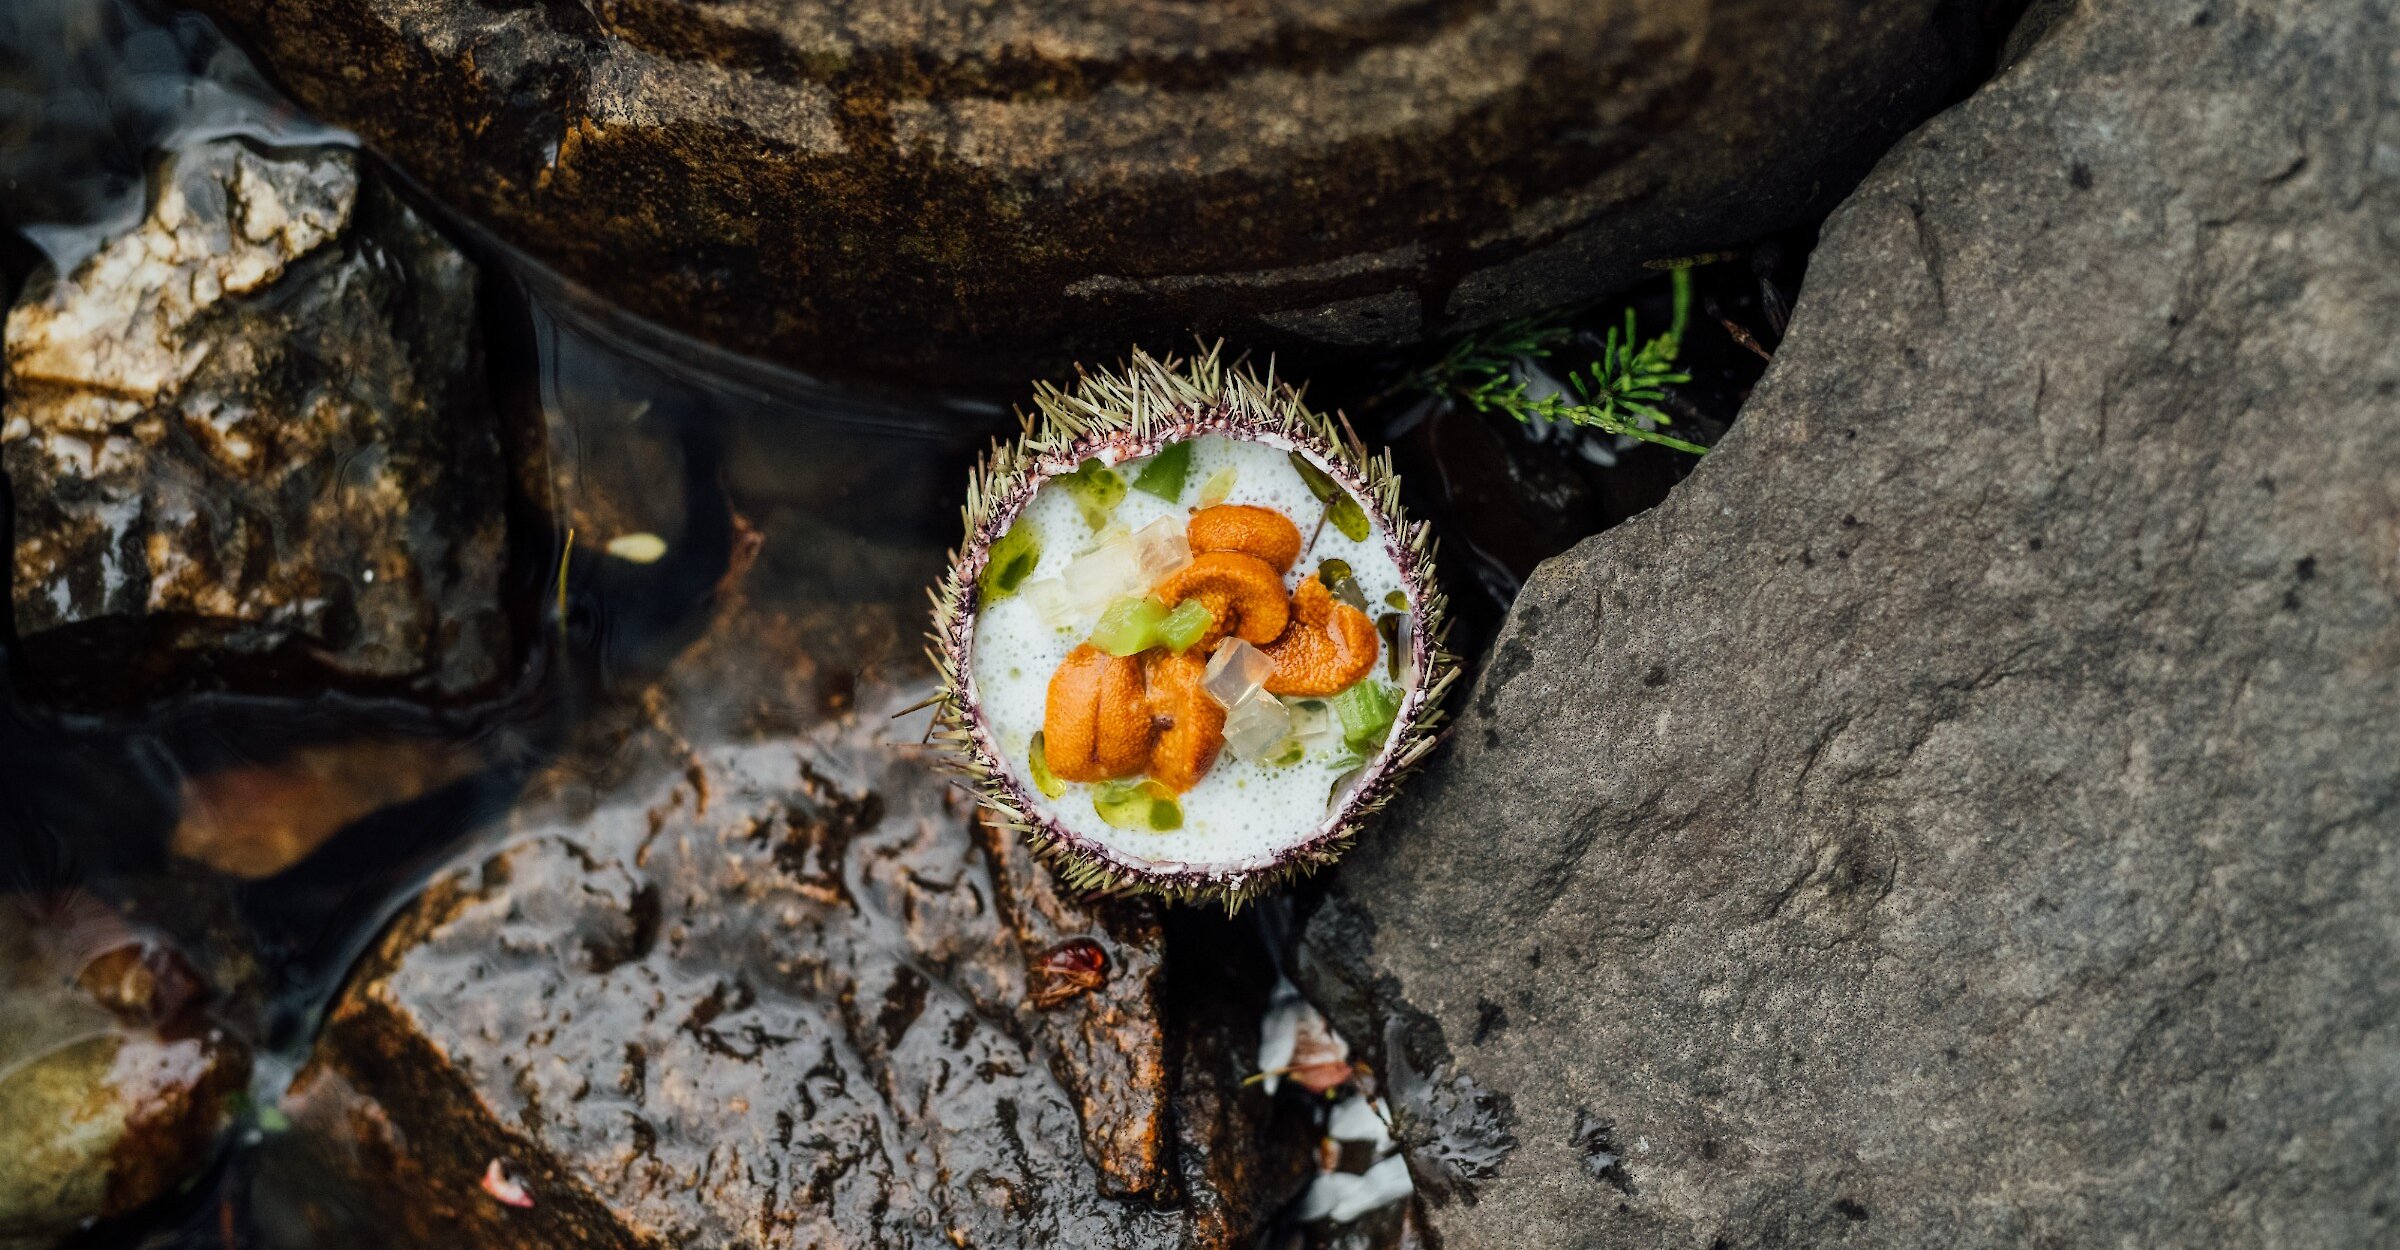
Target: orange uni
[1261, 532]
[1329, 645]
[1243, 595]
[1191, 725]
[1096, 724]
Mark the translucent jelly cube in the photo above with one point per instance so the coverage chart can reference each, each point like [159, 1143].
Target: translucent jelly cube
[1051, 602]
[1101, 576]
[1256, 725]
[1313, 724]
[1160, 548]
[1235, 672]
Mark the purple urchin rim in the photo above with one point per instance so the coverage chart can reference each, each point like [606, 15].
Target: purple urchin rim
[1028, 809]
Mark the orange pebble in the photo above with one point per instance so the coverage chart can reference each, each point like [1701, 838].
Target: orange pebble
[1192, 726]
[1243, 595]
[1096, 724]
[1261, 532]
[1328, 646]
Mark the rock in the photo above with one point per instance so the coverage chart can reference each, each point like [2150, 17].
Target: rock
[759, 981]
[1964, 812]
[255, 820]
[250, 434]
[982, 191]
[114, 1080]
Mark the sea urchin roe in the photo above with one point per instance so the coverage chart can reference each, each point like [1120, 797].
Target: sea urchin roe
[1191, 727]
[1329, 645]
[1163, 476]
[1096, 489]
[1096, 723]
[1010, 561]
[1261, 532]
[1243, 594]
[1137, 805]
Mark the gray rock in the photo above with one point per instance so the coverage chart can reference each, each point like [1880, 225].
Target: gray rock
[972, 189]
[254, 425]
[1966, 813]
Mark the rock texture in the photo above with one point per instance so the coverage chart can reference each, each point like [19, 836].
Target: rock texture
[253, 427]
[114, 1079]
[760, 981]
[970, 189]
[1965, 813]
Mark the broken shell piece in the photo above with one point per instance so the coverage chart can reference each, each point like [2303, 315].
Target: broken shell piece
[504, 1186]
[1180, 823]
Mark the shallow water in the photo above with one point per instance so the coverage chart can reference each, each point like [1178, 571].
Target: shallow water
[853, 489]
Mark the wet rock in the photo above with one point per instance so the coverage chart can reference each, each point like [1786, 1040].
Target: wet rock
[969, 191]
[258, 819]
[114, 1081]
[755, 979]
[248, 437]
[1963, 813]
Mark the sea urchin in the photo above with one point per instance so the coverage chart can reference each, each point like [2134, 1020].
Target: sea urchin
[1189, 642]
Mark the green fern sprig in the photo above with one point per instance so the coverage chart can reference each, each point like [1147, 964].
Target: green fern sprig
[1619, 393]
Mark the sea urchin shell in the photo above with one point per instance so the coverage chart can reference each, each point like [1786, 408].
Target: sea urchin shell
[1062, 559]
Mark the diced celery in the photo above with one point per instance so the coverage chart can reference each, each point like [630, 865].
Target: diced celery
[1164, 475]
[1160, 548]
[1337, 578]
[1366, 709]
[1010, 561]
[1217, 487]
[1235, 671]
[1037, 762]
[1183, 626]
[1137, 804]
[1255, 725]
[1097, 491]
[1129, 626]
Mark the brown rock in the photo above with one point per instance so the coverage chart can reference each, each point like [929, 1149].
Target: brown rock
[751, 984]
[874, 183]
[114, 1083]
[252, 428]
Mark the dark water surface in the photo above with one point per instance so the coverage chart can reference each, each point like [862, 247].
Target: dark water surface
[840, 500]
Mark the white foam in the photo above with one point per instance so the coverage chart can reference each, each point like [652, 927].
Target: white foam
[1244, 811]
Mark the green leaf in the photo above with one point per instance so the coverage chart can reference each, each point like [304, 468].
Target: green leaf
[1164, 475]
[1010, 561]
[1037, 762]
[1129, 626]
[1097, 491]
[1340, 508]
[1137, 804]
[1336, 576]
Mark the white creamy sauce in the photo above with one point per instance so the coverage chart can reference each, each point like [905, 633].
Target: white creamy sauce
[1243, 812]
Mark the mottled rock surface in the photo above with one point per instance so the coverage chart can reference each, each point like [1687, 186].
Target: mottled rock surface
[757, 980]
[974, 189]
[251, 429]
[1965, 812]
[114, 1079]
